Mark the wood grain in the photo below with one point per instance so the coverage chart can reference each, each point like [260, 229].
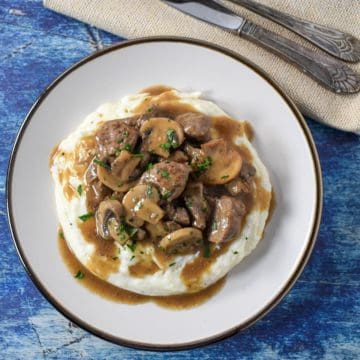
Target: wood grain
[318, 319]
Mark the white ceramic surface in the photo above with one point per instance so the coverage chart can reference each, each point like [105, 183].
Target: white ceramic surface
[281, 138]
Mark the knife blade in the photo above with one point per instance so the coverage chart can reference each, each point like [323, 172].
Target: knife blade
[327, 71]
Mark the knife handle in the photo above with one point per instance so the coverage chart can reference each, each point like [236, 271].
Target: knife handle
[335, 42]
[329, 72]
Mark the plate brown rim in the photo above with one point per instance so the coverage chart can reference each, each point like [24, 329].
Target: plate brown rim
[217, 337]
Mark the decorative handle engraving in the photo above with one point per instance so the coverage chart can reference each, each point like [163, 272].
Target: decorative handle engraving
[335, 42]
[327, 71]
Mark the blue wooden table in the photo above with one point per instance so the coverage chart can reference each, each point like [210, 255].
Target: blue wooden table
[318, 319]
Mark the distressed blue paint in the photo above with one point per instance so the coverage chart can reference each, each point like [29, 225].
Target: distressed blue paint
[318, 319]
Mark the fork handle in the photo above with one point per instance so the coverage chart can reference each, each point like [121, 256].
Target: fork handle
[329, 72]
[335, 42]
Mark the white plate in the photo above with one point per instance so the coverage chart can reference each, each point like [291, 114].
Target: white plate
[281, 137]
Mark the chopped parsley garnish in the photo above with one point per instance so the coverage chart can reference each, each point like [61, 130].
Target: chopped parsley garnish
[206, 249]
[140, 155]
[149, 166]
[115, 258]
[235, 252]
[164, 174]
[113, 197]
[126, 133]
[172, 264]
[124, 230]
[225, 176]
[188, 203]
[102, 164]
[150, 110]
[214, 225]
[127, 147]
[132, 258]
[86, 217]
[166, 195]
[79, 275]
[149, 191]
[117, 151]
[132, 246]
[203, 165]
[132, 231]
[172, 140]
[79, 189]
[61, 234]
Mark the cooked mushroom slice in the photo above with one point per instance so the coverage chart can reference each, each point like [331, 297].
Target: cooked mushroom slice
[227, 219]
[117, 178]
[161, 135]
[195, 125]
[107, 210]
[169, 177]
[141, 202]
[196, 204]
[159, 230]
[113, 136]
[182, 241]
[221, 163]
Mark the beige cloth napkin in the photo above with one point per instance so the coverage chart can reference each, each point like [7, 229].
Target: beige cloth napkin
[139, 18]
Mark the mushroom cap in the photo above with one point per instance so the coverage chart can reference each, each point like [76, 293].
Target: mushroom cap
[108, 210]
[161, 135]
[182, 241]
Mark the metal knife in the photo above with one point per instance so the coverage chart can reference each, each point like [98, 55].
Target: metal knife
[328, 71]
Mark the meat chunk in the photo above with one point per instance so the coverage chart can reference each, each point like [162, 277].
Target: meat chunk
[195, 125]
[196, 204]
[178, 214]
[169, 177]
[227, 219]
[178, 156]
[113, 136]
[242, 184]
[96, 193]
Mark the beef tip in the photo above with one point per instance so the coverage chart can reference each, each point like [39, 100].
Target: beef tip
[195, 125]
[169, 177]
[196, 204]
[178, 214]
[227, 219]
[115, 135]
[178, 156]
[247, 171]
[237, 186]
[132, 121]
[242, 184]
[96, 193]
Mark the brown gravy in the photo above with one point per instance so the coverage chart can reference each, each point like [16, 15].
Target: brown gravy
[113, 293]
[105, 259]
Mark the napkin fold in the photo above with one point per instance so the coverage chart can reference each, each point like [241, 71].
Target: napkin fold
[139, 18]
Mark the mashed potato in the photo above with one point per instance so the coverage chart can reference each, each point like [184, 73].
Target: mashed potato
[169, 279]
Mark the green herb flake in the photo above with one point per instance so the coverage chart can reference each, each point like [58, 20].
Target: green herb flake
[166, 146]
[235, 252]
[79, 189]
[131, 246]
[214, 225]
[126, 133]
[140, 155]
[127, 147]
[132, 231]
[86, 217]
[172, 264]
[149, 191]
[203, 165]
[225, 176]
[165, 174]
[79, 275]
[149, 166]
[132, 258]
[61, 235]
[102, 164]
[207, 252]
[166, 195]
[115, 258]
[117, 151]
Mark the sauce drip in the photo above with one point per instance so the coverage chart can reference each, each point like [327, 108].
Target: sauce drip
[113, 293]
